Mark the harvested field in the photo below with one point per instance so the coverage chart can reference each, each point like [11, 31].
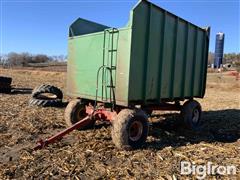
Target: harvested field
[53, 68]
[91, 153]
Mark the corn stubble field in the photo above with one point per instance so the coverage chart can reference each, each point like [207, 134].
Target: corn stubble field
[91, 153]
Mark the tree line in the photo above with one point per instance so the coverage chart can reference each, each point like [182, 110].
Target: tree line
[24, 59]
[232, 57]
[227, 58]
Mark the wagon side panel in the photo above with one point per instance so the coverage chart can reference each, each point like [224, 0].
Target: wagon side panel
[84, 59]
[138, 52]
[168, 56]
[122, 66]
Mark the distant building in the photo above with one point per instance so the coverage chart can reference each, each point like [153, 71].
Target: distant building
[219, 46]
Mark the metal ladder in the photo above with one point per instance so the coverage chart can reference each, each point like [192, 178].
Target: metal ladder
[110, 45]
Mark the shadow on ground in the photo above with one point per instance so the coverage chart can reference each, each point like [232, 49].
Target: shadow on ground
[217, 126]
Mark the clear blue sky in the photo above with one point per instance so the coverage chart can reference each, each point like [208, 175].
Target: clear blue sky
[42, 26]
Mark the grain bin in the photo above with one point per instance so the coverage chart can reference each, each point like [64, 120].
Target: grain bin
[155, 62]
[219, 46]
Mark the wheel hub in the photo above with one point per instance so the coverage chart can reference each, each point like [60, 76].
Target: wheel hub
[81, 113]
[135, 131]
[195, 117]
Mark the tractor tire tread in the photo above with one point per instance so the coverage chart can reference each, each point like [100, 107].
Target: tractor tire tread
[45, 103]
[44, 88]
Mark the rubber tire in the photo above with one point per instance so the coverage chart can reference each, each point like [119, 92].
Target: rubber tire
[47, 89]
[5, 89]
[45, 103]
[148, 111]
[5, 84]
[5, 80]
[187, 114]
[120, 125]
[71, 116]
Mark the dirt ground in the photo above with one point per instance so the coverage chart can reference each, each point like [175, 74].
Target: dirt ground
[91, 154]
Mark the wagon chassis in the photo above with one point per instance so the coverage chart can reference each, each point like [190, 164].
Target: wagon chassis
[102, 113]
[144, 78]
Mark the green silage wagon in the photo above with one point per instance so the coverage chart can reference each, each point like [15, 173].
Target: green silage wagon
[156, 62]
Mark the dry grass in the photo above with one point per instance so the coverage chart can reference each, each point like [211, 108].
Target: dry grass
[91, 153]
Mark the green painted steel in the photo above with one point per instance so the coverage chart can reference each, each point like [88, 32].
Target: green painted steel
[87, 53]
[83, 26]
[158, 57]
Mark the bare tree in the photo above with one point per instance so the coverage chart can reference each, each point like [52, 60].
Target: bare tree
[16, 59]
[13, 59]
[40, 58]
[26, 59]
[59, 58]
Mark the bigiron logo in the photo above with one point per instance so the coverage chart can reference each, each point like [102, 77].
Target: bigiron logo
[201, 171]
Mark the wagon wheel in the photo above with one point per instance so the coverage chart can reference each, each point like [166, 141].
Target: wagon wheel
[130, 129]
[191, 114]
[74, 112]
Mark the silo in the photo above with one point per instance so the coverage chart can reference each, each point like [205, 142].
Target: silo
[219, 50]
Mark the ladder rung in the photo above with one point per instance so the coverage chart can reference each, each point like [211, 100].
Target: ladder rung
[111, 86]
[114, 31]
[113, 67]
[112, 50]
